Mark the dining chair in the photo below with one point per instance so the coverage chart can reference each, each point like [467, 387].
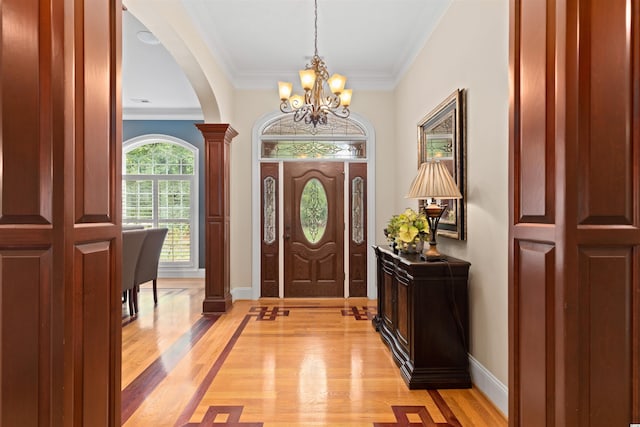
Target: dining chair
[147, 268]
[132, 242]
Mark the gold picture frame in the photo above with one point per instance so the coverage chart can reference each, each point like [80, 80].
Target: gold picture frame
[441, 134]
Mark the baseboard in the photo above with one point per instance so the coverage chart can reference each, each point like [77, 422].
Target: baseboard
[181, 274]
[245, 293]
[489, 385]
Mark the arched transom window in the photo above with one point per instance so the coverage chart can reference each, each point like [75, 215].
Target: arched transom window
[339, 139]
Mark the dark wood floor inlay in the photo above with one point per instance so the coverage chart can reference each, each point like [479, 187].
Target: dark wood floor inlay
[211, 375]
[422, 416]
[360, 313]
[266, 313]
[230, 413]
[444, 408]
[135, 393]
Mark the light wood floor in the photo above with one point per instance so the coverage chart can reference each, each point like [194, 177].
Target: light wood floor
[273, 363]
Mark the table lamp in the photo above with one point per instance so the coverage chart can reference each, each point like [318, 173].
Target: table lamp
[433, 182]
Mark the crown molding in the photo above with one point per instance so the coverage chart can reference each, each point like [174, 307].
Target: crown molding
[146, 113]
[269, 80]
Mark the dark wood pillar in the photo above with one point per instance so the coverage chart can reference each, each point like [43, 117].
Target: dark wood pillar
[60, 148]
[574, 268]
[217, 152]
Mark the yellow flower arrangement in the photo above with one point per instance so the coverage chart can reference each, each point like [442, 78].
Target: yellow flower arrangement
[407, 229]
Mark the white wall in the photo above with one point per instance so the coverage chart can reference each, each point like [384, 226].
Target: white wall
[469, 50]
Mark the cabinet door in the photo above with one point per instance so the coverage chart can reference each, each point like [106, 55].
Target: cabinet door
[387, 303]
[402, 319]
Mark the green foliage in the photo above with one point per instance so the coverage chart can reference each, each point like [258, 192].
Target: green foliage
[159, 158]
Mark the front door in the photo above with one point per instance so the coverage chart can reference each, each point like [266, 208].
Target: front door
[313, 229]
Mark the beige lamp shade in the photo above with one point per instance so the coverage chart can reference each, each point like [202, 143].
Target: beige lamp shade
[336, 83]
[345, 98]
[434, 182]
[296, 101]
[307, 78]
[284, 89]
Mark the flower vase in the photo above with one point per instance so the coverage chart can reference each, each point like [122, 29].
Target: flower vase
[414, 247]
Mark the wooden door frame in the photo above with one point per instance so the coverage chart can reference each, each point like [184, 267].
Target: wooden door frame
[254, 291]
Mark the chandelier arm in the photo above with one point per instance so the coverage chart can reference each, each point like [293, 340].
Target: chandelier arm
[302, 112]
[316, 119]
[285, 106]
[332, 101]
[343, 113]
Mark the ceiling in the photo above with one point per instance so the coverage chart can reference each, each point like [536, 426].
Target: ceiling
[258, 42]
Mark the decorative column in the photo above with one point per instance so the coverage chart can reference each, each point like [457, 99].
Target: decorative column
[217, 140]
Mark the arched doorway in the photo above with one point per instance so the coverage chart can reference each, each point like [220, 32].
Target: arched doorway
[279, 143]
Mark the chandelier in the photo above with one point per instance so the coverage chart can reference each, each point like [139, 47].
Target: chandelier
[314, 105]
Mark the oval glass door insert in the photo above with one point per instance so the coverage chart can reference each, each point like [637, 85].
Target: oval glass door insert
[313, 210]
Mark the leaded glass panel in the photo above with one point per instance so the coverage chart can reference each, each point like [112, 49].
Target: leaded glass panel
[439, 140]
[314, 210]
[339, 139]
[269, 220]
[285, 149]
[285, 125]
[357, 210]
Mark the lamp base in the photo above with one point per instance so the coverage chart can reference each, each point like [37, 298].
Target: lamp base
[433, 213]
[432, 254]
[433, 258]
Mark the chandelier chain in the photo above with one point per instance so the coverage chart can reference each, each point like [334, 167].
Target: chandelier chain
[316, 27]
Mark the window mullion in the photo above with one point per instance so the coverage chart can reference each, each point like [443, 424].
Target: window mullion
[155, 202]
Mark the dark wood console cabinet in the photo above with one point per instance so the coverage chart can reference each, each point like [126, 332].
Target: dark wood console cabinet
[423, 318]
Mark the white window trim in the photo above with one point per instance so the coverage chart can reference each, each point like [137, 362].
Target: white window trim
[164, 269]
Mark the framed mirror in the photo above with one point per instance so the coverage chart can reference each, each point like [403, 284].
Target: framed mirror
[441, 134]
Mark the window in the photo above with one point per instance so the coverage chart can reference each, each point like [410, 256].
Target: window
[159, 189]
[340, 139]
